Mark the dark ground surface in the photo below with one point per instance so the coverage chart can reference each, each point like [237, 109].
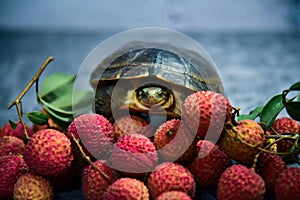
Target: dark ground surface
[254, 66]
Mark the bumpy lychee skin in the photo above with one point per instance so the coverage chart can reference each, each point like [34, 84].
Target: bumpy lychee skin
[173, 195]
[174, 141]
[239, 182]
[18, 132]
[209, 164]
[94, 183]
[269, 166]
[287, 185]
[134, 154]
[48, 152]
[285, 125]
[206, 112]
[31, 186]
[127, 189]
[171, 176]
[11, 168]
[234, 138]
[132, 125]
[95, 132]
[11, 145]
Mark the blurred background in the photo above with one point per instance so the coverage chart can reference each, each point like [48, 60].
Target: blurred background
[255, 44]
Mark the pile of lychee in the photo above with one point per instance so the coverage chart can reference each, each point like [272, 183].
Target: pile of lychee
[129, 158]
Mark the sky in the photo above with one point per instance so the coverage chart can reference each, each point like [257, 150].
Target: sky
[193, 15]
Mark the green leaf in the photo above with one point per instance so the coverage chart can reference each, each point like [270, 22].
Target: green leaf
[295, 86]
[13, 124]
[293, 109]
[82, 96]
[53, 82]
[56, 109]
[299, 96]
[37, 117]
[271, 110]
[57, 115]
[243, 117]
[253, 114]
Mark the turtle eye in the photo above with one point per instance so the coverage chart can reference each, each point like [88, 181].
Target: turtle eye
[142, 94]
[163, 93]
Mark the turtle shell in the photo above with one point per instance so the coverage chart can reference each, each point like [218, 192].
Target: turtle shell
[190, 71]
[120, 75]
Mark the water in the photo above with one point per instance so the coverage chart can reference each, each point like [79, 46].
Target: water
[254, 66]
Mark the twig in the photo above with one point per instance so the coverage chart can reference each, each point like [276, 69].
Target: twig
[88, 158]
[17, 102]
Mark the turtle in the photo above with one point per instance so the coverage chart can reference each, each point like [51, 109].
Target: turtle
[150, 78]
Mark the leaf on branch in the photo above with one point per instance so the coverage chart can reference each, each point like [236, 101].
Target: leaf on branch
[13, 124]
[293, 109]
[253, 114]
[295, 86]
[271, 110]
[37, 117]
[54, 82]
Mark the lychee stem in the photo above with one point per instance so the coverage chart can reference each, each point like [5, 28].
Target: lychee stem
[88, 158]
[17, 101]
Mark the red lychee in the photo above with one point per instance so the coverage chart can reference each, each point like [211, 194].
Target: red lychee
[94, 183]
[95, 132]
[239, 182]
[175, 142]
[171, 176]
[134, 154]
[206, 112]
[132, 125]
[7, 130]
[241, 142]
[287, 185]
[209, 164]
[48, 152]
[269, 166]
[126, 189]
[11, 145]
[32, 186]
[173, 195]
[11, 168]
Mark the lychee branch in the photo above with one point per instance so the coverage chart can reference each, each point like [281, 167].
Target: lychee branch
[88, 158]
[17, 102]
[277, 137]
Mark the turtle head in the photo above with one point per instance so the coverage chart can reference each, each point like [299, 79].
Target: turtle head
[153, 95]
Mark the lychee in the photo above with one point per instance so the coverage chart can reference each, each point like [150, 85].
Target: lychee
[285, 125]
[18, 132]
[269, 166]
[48, 152]
[134, 154]
[206, 112]
[31, 186]
[209, 164]
[173, 195]
[94, 183]
[174, 141]
[239, 182]
[241, 142]
[287, 185]
[127, 189]
[11, 168]
[171, 176]
[95, 132]
[132, 125]
[11, 145]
